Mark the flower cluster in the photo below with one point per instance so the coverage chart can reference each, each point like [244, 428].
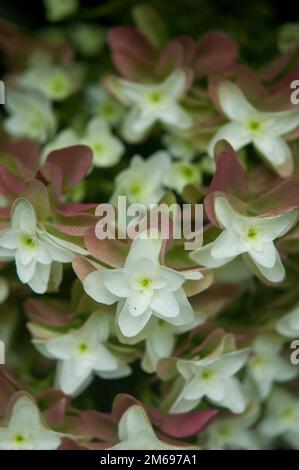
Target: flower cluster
[199, 340]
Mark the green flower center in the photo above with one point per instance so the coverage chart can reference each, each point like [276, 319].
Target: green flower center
[224, 431]
[28, 241]
[83, 347]
[136, 189]
[97, 147]
[19, 438]
[251, 233]
[58, 85]
[155, 97]
[187, 171]
[207, 375]
[254, 126]
[288, 414]
[146, 283]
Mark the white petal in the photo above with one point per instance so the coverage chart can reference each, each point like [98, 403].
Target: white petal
[278, 225]
[69, 382]
[175, 84]
[234, 398]
[203, 256]
[23, 217]
[61, 347]
[228, 244]
[117, 282]
[281, 123]
[25, 272]
[230, 363]
[138, 303]
[94, 286]
[175, 116]
[165, 304]
[133, 422]
[266, 257]
[225, 214]
[274, 149]
[236, 134]
[130, 325]
[234, 103]
[275, 273]
[141, 248]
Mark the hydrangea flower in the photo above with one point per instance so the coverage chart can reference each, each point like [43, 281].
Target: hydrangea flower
[136, 433]
[282, 418]
[25, 429]
[30, 115]
[160, 340]
[152, 103]
[233, 433]
[142, 289]
[103, 105]
[288, 325]
[265, 130]
[180, 174]
[34, 249]
[142, 182]
[214, 379]
[267, 366]
[107, 149]
[82, 353]
[56, 82]
[180, 147]
[242, 235]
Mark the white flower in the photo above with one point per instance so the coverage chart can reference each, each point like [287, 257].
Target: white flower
[30, 115]
[103, 105]
[151, 103]
[212, 378]
[142, 288]
[247, 235]
[26, 431]
[82, 353]
[136, 433]
[57, 10]
[180, 174]
[289, 324]
[232, 433]
[142, 182]
[55, 82]
[160, 340]
[107, 149]
[266, 366]
[179, 146]
[33, 248]
[263, 129]
[282, 418]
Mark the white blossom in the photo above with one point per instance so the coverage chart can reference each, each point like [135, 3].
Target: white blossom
[252, 236]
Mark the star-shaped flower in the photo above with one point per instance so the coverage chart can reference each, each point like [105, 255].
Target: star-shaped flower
[33, 248]
[282, 418]
[214, 379]
[266, 366]
[252, 236]
[26, 430]
[142, 182]
[152, 103]
[265, 130]
[142, 288]
[82, 353]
